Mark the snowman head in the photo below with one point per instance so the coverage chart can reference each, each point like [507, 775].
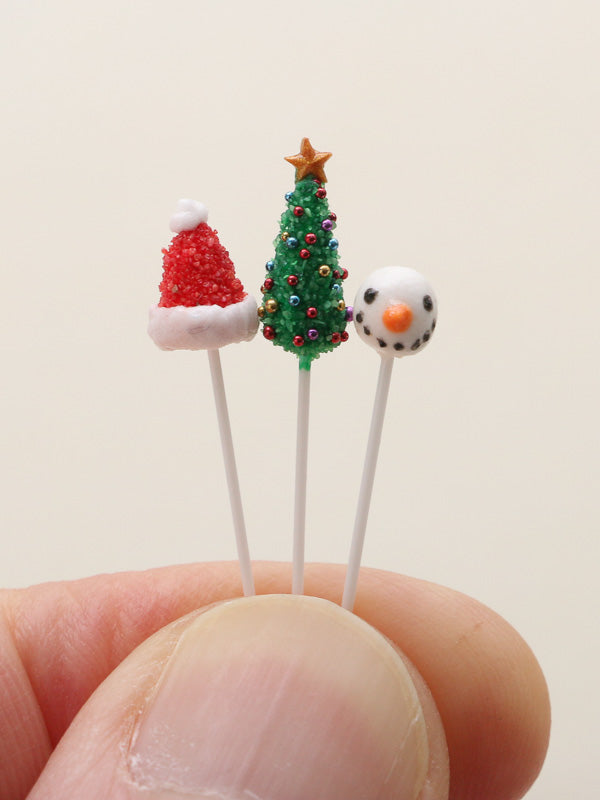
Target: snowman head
[395, 311]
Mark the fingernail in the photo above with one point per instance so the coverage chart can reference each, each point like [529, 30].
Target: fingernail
[282, 697]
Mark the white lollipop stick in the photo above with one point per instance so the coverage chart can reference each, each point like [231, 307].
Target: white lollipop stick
[235, 499]
[300, 485]
[366, 485]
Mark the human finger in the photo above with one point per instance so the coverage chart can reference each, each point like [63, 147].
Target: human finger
[486, 683]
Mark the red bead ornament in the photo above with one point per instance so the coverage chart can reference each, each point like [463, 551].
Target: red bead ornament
[321, 193]
[292, 280]
[335, 337]
[298, 341]
[336, 275]
[333, 217]
[311, 312]
[310, 238]
[269, 332]
[304, 253]
[298, 211]
[344, 273]
[317, 181]
[268, 284]
[344, 336]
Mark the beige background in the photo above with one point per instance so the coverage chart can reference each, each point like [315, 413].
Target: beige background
[465, 140]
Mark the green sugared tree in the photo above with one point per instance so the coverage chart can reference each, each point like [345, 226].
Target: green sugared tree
[303, 308]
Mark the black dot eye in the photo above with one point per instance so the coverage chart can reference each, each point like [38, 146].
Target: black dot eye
[428, 303]
[370, 295]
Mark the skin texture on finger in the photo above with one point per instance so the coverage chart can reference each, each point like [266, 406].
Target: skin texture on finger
[123, 744]
[485, 681]
[24, 742]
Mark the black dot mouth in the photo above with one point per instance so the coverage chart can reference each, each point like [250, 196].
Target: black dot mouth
[367, 330]
[370, 295]
[398, 346]
[382, 343]
[416, 344]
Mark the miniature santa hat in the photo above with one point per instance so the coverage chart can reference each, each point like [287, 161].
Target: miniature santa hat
[203, 305]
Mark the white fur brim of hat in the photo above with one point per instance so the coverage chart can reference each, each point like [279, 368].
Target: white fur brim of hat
[203, 327]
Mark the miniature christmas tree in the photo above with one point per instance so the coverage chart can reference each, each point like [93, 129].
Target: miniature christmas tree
[303, 308]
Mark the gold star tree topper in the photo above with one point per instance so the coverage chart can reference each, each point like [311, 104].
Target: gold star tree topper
[309, 162]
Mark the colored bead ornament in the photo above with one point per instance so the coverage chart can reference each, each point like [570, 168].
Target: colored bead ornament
[333, 217]
[341, 305]
[336, 274]
[292, 280]
[349, 313]
[311, 312]
[310, 238]
[298, 211]
[271, 306]
[312, 334]
[298, 341]
[285, 236]
[304, 253]
[336, 287]
[321, 193]
[261, 312]
[333, 244]
[269, 332]
[292, 242]
[294, 300]
[335, 338]
[324, 270]
[268, 284]
[288, 196]
[269, 265]
[344, 273]
[327, 224]
[344, 336]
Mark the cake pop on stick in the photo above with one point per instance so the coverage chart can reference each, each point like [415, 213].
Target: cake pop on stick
[395, 312]
[203, 306]
[303, 307]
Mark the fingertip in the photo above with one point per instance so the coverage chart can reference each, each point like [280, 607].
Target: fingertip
[280, 697]
[487, 683]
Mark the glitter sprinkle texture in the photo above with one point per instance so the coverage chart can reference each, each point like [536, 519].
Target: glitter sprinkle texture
[304, 298]
[197, 270]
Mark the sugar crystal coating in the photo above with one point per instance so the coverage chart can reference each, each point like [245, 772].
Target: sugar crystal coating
[197, 270]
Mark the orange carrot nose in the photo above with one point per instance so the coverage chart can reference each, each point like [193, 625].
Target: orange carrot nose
[398, 319]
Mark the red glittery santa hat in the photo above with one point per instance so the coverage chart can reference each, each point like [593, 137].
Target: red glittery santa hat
[203, 304]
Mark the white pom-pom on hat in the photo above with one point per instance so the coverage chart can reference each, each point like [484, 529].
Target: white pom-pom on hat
[188, 215]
